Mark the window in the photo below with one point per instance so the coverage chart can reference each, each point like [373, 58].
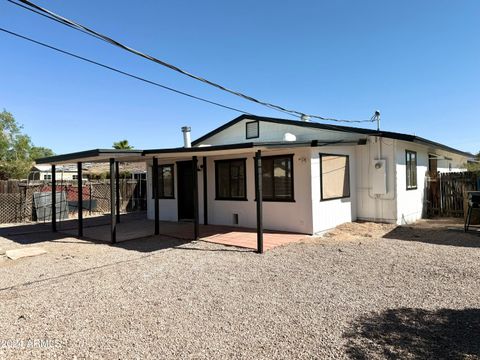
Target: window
[334, 176]
[252, 129]
[411, 169]
[165, 182]
[277, 178]
[230, 179]
[47, 177]
[74, 177]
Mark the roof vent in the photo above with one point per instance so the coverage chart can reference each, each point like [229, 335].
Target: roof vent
[187, 142]
[305, 118]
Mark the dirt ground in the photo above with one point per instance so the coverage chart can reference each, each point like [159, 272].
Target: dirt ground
[361, 291]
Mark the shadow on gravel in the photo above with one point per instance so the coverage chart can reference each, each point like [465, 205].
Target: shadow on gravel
[437, 235]
[416, 334]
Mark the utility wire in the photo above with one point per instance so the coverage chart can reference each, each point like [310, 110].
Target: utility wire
[121, 71]
[72, 24]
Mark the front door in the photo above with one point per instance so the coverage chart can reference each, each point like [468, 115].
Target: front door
[185, 190]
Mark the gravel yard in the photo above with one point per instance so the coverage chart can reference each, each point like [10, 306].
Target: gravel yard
[362, 291]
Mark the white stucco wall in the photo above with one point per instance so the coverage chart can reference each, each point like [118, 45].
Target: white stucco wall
[327, 214]
[274, 132]
[370, 206]
[285, 216]
[410, 204]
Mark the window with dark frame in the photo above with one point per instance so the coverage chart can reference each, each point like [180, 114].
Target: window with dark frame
[230, 179]
[277, 178]
[165, 182]
[411, 169]
[334, 176]
[252, 130]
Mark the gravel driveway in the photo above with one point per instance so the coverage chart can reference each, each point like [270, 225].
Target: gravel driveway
[362, 291]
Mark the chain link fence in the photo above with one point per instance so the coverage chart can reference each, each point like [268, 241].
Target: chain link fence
[17, 203]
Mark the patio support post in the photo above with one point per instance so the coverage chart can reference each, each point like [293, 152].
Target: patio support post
[205, 192]
[80, 199]
[196, 231]
[113, 224]
[258, 196]
[117, 190]
[54, 200]
[155, 194]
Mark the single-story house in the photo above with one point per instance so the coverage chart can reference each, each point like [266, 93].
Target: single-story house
[44, 172]
[313, 176]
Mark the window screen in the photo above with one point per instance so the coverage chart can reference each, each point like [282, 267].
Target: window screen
[411, 169]
[165, 182]
[230, 179]
[335, 176]
[252, 129]
[277, 178]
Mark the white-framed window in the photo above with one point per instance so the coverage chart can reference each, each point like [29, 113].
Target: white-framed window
[334, 176]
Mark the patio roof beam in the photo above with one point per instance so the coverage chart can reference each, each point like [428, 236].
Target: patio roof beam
[196, 227]
[113, 224]
[80, 199]
[155, 195]
[259, 198]
[53, 216]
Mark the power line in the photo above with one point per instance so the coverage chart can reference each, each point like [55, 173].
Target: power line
[121, 71]
[72, 24]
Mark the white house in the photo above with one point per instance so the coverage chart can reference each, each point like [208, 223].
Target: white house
[315, 176]
[311, 177]
[44, 172]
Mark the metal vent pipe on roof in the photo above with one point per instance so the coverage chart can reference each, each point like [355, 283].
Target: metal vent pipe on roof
[187, 142]
[305, 118]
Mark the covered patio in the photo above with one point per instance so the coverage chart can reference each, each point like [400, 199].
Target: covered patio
[137, 226]
[116, 227]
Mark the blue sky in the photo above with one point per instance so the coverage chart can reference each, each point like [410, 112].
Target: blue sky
[415, 61]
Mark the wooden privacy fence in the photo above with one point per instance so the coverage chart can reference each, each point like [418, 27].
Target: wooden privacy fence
[17, 197]
[445, 192]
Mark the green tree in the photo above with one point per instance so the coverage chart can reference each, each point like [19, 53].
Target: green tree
[17, 152]
[122, 145]
[474, 166]
[38, 152]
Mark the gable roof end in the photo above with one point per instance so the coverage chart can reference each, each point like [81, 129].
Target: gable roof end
[348, 129]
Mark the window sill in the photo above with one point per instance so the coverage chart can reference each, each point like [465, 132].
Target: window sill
[230, 199]
[278, 200]
[336, 198]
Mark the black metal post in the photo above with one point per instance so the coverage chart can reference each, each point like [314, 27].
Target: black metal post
[205, 192]
[155, 194]
[113, 224]
[196, 226]
[54, 200]
[258, 196]
[117, 190]
[80, 199]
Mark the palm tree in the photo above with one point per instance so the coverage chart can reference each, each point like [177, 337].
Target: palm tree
[122, 145]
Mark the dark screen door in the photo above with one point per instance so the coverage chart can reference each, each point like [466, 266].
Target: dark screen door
[185, 190]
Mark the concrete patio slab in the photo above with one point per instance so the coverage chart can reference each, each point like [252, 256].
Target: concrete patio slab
[23, 252]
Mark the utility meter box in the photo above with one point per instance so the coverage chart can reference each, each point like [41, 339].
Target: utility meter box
[379, 177]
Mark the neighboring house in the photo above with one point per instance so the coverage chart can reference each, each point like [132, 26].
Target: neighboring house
[44, 172]
[315, 176]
